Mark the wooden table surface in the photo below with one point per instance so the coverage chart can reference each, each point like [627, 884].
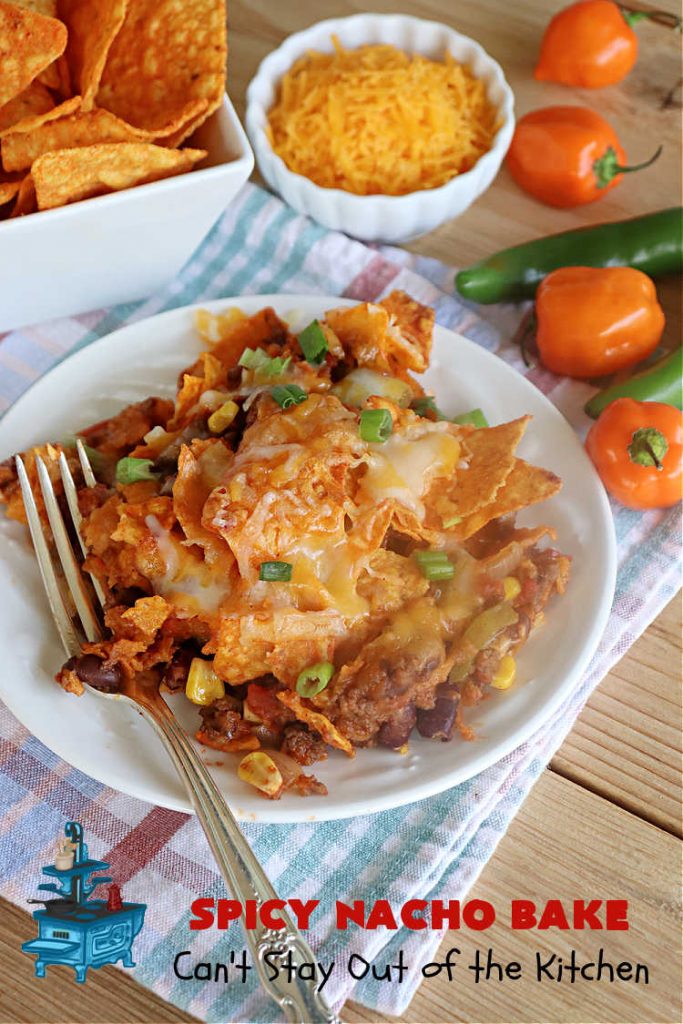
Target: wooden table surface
[604, 821]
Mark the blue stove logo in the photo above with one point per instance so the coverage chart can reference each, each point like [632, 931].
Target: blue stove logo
[73, 929]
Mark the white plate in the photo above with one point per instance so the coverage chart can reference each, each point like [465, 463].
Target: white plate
[114, 745]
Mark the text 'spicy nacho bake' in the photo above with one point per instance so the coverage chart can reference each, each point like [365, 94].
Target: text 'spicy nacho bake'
[306, 546]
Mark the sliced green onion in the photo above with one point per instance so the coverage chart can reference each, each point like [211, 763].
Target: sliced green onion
[376, 425]
[253, 358]
[313, 343]
[261, 362]
[314, 679]
[131, 471]
[435, 565]
[431, 555]
[288, 394]
[276, 366]
[426, 404]
[451, 521]
[474, 416]
[275, 572]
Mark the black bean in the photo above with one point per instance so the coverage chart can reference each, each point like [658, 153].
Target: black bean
[92, 670]
[396, 730]
[437, 723]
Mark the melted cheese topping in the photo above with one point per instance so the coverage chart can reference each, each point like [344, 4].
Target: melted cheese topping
[187, 583]
[332, 563]
[404, 468]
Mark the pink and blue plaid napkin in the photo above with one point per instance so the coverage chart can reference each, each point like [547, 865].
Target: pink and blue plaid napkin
[432, 849]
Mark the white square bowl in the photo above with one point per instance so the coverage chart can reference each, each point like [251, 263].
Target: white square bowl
[123, 246]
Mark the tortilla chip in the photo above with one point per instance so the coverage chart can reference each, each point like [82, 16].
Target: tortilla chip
[53, 76]
[33, 121]
[148, 614]
[8, 190]
[416, 323]
[69, 175]
[165, 59]
[93, 26]
[490, 551]
[56, 77]
[314, 720]
[45, 7]
[190, 125]
[20, 149]
[235, 745]
[26, 198]
[35, 99]
[491, 458]
[28, 43]
[526, 485]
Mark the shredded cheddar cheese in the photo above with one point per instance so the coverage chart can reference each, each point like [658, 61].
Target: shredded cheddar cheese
[378, 120]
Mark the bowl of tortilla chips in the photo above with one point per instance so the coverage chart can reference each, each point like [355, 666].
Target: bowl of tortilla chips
[119, 148]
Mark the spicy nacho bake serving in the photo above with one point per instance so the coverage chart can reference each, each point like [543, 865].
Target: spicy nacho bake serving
[305, 546]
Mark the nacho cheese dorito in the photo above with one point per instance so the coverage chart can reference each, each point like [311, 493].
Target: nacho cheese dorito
[305, 546]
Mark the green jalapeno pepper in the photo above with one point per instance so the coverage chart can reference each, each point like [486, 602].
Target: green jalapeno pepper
[653, 244]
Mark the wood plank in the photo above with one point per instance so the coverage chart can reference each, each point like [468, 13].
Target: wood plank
[567, 843]
[626, 744]
[564, 844]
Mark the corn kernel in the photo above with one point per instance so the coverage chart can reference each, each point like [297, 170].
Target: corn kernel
[505, 676]
[203, 686]
[511, 587]
[260, 771]
[221, 419]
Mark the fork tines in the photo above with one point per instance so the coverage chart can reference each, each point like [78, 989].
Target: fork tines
[66, 589]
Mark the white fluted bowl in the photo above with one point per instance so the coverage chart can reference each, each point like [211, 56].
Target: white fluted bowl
[379, 217]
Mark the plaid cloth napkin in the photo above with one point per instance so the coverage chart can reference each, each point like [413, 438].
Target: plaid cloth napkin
[432, 849]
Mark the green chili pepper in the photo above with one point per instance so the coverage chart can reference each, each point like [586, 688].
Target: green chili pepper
[653, 244]
[662, 382]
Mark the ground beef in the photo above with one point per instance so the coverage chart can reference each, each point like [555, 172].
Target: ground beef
[90, 498]
[308, 785]
[303, 746]
[386, 681]
[222, 720]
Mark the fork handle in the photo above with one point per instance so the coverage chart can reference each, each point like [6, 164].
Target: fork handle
[242, 873]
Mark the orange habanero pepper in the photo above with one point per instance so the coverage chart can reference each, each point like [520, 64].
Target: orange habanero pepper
[592, 321]
[567, 156]
[590, 44]
[637, 448]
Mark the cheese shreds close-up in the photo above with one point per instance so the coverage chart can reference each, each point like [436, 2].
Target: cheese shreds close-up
[378, 120]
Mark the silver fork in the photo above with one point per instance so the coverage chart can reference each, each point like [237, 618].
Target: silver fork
[76, 619]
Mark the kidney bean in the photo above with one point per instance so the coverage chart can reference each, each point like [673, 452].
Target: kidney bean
[437, 723]
[396, 730]
[92, 670]
[176, 672]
